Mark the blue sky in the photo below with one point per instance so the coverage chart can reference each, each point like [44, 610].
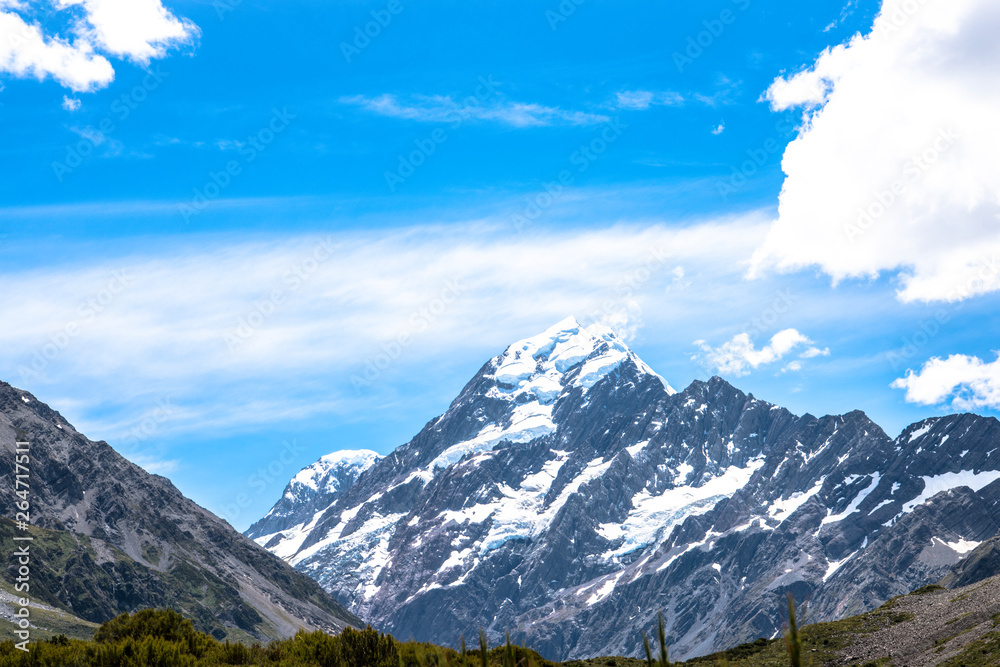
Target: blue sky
[214, 215]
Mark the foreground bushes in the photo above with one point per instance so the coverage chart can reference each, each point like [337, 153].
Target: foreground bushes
[163, 638]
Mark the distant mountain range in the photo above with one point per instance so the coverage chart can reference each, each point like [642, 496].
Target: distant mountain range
[568, 494]
[110, 538]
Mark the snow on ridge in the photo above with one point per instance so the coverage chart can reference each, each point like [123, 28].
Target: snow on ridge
[652, 518]
[605, 590]
[935, 484]
[521, 512]
[923, 430]
[531, 375]
[311, 475]
[537, 365]
[961, 546]
[858, 499]
[528, 421]
[782, 508]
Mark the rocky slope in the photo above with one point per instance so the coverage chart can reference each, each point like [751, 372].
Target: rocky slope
[111, 538]
[929, 627]
[569, 493]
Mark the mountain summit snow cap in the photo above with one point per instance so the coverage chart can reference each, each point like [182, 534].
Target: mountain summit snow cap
[538, 365]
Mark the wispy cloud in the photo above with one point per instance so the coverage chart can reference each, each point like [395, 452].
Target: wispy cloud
[638, 100]
[445, 109]
[279, 328]
[154, 465]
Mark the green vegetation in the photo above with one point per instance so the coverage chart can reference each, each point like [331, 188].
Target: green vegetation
[793, 641]
[817, 644]
[164, 638]
[984, 652]
[70, 575]
[663, 659]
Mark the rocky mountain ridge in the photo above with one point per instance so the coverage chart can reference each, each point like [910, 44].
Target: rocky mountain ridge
[569, 493]
[111, 538]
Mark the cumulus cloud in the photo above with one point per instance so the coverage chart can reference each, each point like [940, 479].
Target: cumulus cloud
[137, 30]
[894, 168]
[966, 382]
[26, 52]
[739, 356]
[445, 109]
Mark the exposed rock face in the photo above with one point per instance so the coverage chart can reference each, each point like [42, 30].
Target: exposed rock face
[569, 493]
[982, 563]
[118, 539]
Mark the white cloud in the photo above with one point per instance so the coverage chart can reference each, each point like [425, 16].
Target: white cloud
[968, 383]
[138, 30]
[639, 100]
[26, 52]
[895, 167]
[444, 109]
[70, 103]
[739, 356]
[301, 327]
[719, 129]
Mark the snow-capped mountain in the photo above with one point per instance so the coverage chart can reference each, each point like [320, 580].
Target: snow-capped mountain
[569, 494]
[315, 488]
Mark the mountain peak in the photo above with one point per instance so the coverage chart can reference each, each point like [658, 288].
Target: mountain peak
[354, 460]
[539, 366]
